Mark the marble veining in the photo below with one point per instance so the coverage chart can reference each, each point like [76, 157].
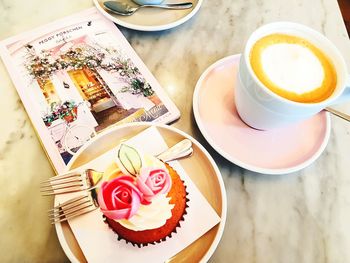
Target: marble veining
[301, 217]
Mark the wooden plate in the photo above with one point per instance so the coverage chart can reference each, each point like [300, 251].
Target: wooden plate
[200, 167]
[151, 19]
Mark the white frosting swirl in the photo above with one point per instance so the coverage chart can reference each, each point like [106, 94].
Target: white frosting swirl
[150, 216]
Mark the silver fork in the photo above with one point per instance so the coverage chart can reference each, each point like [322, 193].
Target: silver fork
[71, 182]
[87, 202]
[74, 207]
[89, 178]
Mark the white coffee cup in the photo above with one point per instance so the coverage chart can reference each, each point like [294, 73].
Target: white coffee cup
[263, 109]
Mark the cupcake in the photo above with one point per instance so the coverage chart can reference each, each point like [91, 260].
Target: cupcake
[142, 199]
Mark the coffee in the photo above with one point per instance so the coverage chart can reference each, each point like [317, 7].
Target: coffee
[293, 68]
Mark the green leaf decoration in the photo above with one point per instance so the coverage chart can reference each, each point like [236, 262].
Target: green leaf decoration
[130, 159]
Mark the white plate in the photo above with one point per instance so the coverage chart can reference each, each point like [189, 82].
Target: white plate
[152, 19]
[208, 181]
[278, 151]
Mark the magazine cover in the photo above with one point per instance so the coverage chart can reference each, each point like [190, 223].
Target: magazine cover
[78, 76]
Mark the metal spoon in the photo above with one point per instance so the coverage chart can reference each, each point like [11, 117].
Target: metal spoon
[89, 179]
[342, 115]
[125, 9]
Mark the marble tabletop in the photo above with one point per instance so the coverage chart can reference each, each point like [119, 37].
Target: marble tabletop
[300, 217]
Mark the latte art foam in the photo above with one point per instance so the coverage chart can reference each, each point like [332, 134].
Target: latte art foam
[293, 68]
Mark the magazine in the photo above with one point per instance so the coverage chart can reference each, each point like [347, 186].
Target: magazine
[79, 76]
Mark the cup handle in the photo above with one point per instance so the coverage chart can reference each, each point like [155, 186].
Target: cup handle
[345, 96]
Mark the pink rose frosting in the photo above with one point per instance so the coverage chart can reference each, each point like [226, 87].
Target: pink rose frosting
[152, 182]
[119, 198]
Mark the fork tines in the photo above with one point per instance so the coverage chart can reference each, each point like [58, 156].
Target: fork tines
[66, 183]
[72, 208]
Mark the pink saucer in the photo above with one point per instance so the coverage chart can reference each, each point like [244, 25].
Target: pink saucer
[277, 151]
